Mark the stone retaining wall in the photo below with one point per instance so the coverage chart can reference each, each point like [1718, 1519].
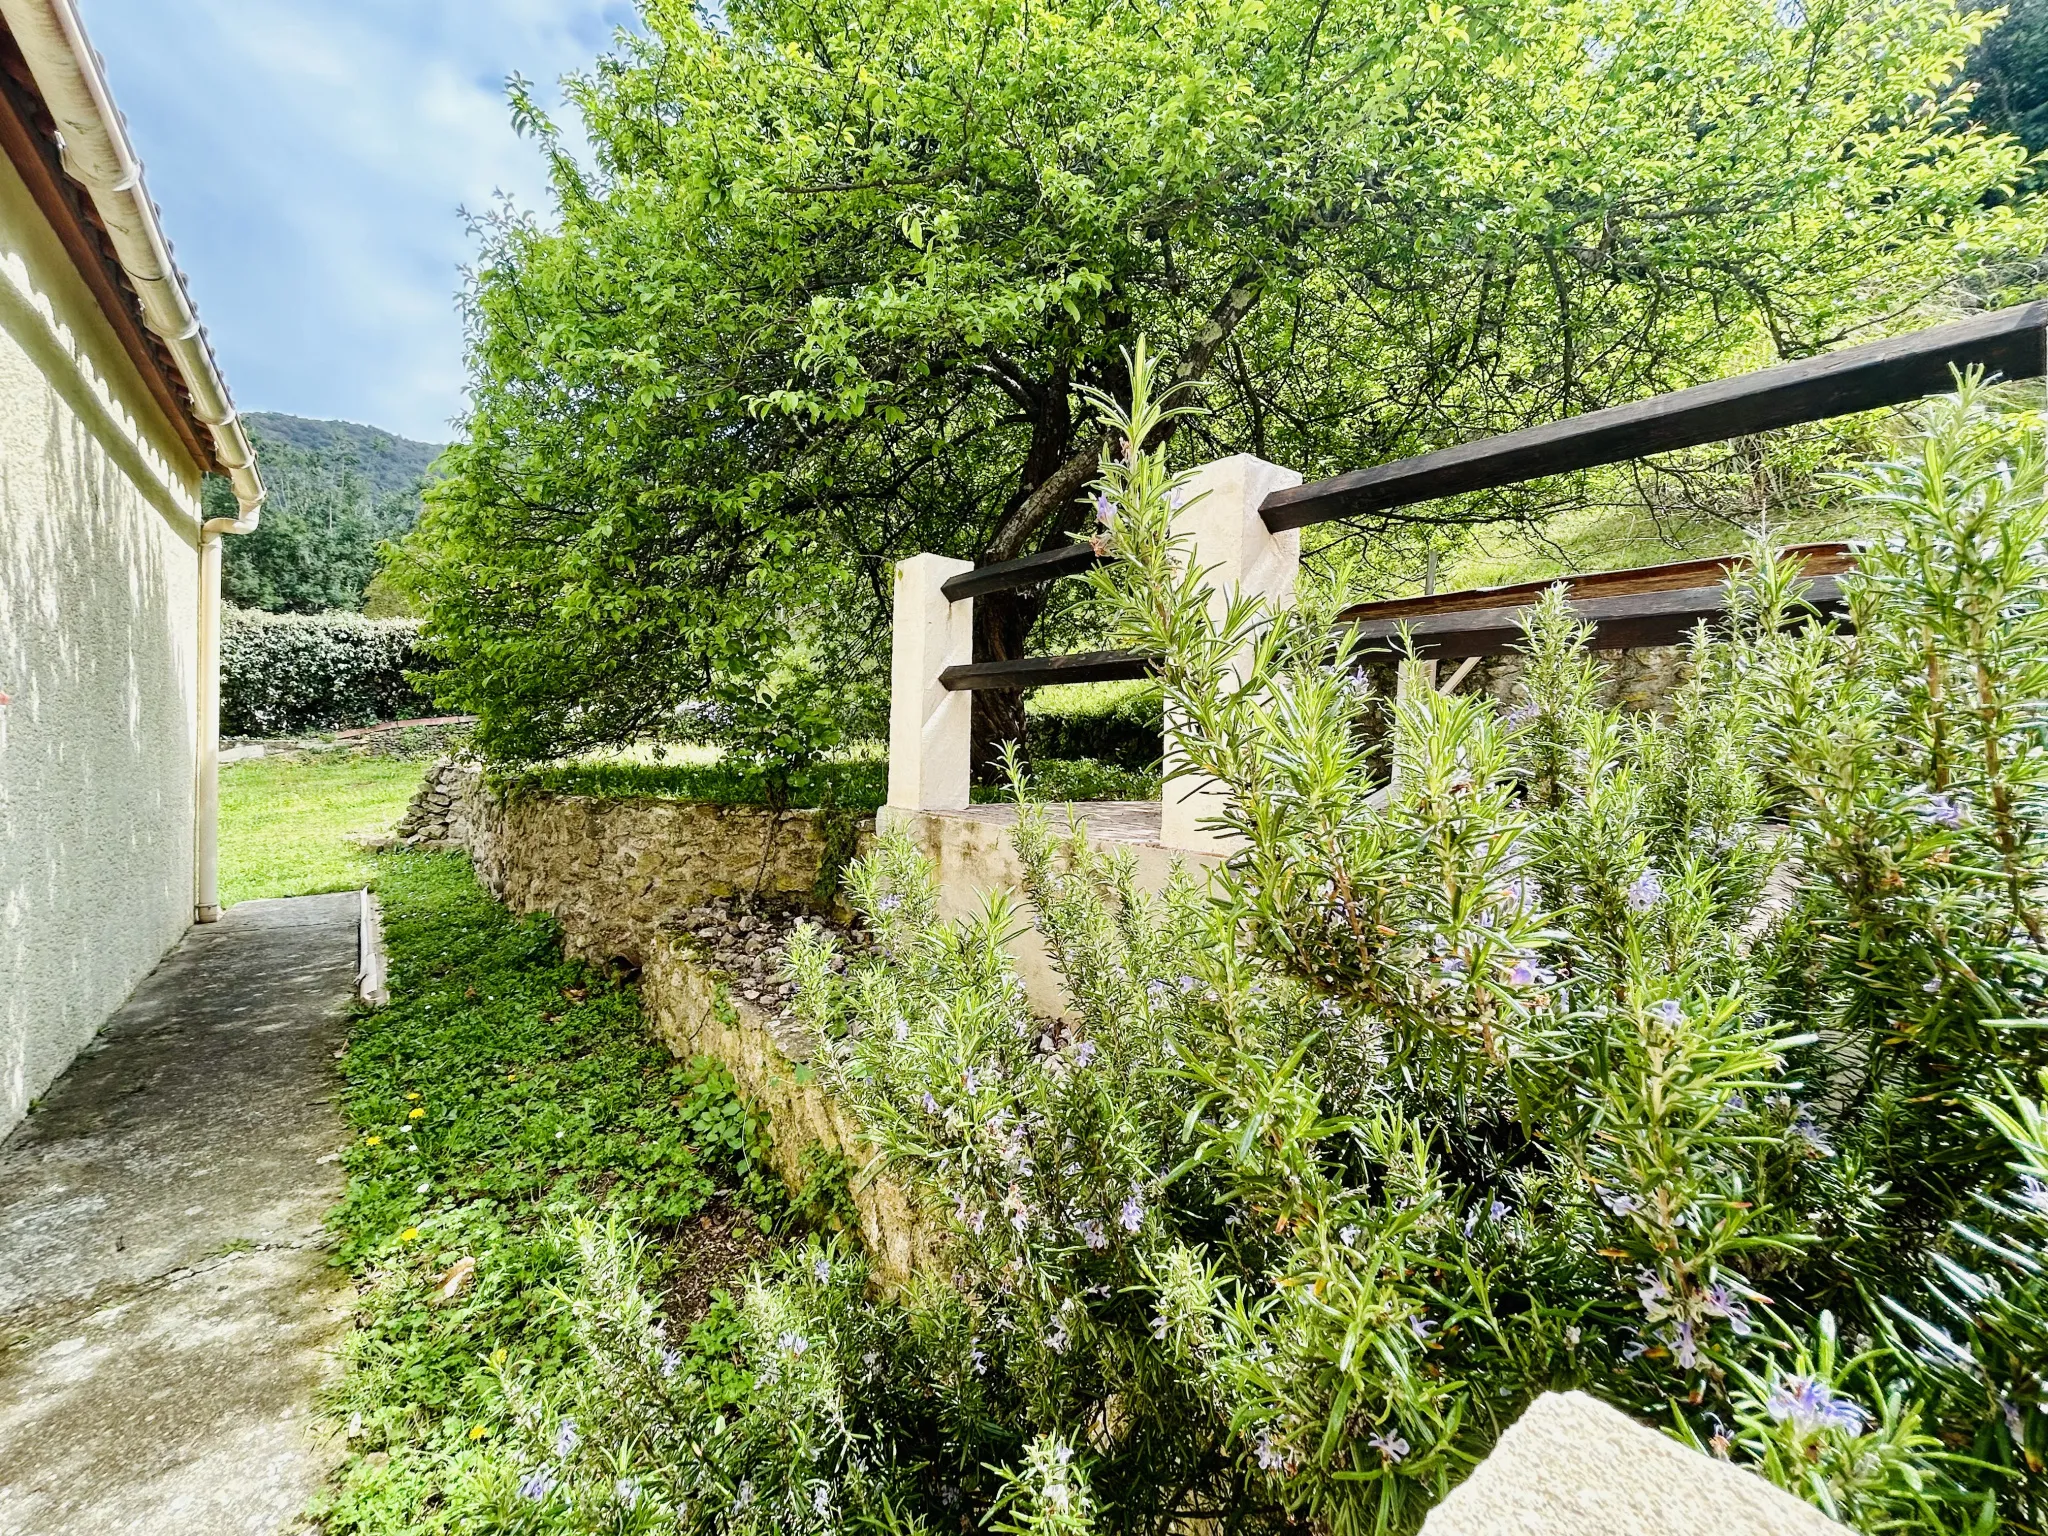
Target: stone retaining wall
[614, 871]
[621, 876]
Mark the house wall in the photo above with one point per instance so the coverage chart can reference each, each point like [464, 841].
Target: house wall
[99, 595]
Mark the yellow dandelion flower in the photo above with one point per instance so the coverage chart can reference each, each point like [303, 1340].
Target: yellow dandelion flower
[408, 1234]
[478, 1431]
[498, 1355]
[410, 1096]
[373, 1141]
[418, 1114]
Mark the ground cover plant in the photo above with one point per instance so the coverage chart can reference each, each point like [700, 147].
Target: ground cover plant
[289, 821]
[503, 1095]
[1693, 1063]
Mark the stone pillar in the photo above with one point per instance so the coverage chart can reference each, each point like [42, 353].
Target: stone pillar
[1238, 554]
[930, 728]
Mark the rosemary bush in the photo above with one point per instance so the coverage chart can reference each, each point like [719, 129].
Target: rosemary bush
[1682, 1061]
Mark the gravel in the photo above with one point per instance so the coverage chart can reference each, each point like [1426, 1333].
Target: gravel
[745, 938]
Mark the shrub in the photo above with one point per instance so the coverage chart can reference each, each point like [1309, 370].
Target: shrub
[281, 673]
[1115, 723]
[1556, 1065]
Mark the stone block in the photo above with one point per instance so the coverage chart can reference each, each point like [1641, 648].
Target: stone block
[1572, 1466]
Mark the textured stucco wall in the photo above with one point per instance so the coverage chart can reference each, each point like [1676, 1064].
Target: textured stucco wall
[99, 592]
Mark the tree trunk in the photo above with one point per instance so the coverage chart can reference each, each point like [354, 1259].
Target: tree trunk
[1047, 511]
[1002, 629]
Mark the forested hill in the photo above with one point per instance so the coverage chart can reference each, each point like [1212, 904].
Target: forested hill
[338, 492]
[387, 461]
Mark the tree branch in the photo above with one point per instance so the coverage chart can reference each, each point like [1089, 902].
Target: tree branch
[1058, 489]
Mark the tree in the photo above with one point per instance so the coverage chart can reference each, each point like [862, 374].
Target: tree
[2011, 68]
[830, 287]
[316, 549]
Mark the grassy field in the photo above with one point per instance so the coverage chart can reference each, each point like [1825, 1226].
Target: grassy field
[285, 821]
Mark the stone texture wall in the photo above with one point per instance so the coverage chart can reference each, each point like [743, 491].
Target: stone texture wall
[696, 1013]
[622, 877]
[1637, 680]
[615, 871]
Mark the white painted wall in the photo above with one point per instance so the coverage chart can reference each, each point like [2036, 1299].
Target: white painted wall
[99, 593]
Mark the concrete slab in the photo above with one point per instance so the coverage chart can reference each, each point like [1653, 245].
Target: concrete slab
[167, 1312]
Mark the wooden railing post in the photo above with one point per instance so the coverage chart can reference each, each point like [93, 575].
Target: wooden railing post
[930, 728]
[1219, 511]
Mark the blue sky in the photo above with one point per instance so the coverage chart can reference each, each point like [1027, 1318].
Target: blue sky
[310, 157]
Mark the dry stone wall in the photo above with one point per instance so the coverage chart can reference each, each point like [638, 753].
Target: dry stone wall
[615, 871]
[659, 883]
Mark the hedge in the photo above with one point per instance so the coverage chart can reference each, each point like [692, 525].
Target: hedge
[1118, 723]
[287, 672]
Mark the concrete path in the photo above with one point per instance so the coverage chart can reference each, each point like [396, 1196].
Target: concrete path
[167, 1312]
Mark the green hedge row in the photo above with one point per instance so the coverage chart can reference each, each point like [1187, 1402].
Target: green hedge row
[1117, 723]
[286, 672]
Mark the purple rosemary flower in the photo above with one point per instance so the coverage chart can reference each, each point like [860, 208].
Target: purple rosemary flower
[1092, 1233]
[1391, 1446]
[1347, 1235]
[1057, 1340]
[1808, 1130]
[1496, 1211]
[1524, 973]
[822, 1268]
[1084, 1052]
[1270, 1457]
[900, 1030]
[1670, 1010]
[538, 1484]
[1646, 891]
[2033, 1193]
[1653, 1293]
[1941, 809]
[567, 1438]
[1622, 1205]
[793, 1343]
[1722, 1302]
[1105, 509]
[889, 903]
[973, 1083]
[1157, 992]
[931, 1105]
[627, 1490]
[670, 1360]
[1422, 1328]
[1809, 1405]
[1132, 1216]
[1685, 1344]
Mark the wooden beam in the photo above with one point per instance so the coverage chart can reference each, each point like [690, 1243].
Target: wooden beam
[1045, 671]
[1830, 559]
[2008, 343]
[1025, 571]
[1660, 617]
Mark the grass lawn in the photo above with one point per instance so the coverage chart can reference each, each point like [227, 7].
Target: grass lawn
[285, 821]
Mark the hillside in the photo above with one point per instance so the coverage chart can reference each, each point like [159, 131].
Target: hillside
[387, 461]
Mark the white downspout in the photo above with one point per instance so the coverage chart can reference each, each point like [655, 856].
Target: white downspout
[96, 152]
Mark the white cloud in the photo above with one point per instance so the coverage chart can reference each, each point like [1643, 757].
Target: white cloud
[310, 157]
